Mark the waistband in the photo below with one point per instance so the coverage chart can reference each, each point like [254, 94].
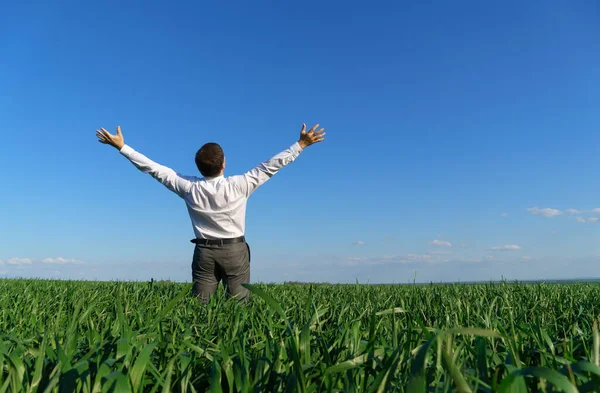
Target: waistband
[218, 242]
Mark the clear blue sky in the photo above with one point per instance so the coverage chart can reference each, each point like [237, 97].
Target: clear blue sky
[447, 124]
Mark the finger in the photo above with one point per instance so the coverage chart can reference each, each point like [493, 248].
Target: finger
[106, 134]
[303, 130]
[118, 130]
[320, 132]
[313, 129]
[100, 135]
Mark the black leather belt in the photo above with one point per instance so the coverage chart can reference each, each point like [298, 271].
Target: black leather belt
[218, 242]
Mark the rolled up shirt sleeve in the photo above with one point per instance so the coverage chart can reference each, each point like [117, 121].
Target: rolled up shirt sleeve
[254, 178]
[166, 176]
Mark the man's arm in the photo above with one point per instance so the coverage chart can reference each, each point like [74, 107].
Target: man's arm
[166, 176]
[257, 176]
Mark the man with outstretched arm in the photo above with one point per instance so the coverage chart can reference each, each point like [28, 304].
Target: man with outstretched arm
[217, 207]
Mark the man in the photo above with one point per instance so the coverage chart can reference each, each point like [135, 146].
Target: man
[217, 208]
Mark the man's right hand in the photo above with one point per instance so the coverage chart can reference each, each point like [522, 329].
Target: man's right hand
[311, 137]
[116, 141]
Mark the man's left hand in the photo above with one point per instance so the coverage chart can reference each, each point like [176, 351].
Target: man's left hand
[107, 138]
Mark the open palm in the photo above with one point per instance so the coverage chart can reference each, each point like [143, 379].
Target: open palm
[107, 138]
[312, 136]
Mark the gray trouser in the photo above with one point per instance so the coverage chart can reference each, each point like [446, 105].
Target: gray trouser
[227, 262]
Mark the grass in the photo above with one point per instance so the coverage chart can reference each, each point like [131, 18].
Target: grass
[66, 336]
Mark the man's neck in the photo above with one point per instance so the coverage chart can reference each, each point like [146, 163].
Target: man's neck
[214, 177]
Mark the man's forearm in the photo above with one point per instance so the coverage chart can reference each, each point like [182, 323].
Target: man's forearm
[165, 175]
[278, 161]
[258, 175]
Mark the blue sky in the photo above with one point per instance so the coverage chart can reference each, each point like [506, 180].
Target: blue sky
[452, 128]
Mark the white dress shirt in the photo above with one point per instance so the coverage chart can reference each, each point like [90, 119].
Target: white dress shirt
[216, 205]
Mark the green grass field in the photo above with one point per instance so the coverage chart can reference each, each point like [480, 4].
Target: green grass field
[137, 337]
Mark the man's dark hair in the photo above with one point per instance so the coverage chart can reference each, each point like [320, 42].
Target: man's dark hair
[209, 159]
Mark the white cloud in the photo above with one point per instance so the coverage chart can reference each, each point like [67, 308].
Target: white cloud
[506, 247]
[596, 210]
[384, 259]
[61, 261]
[584, 220]
[359, 243]
[440, 243]
[504, 214]
[19, 261]
[530, 258]
[574, 211]
[546, 212]
[417, 257]
[435, 252]
[467, 259]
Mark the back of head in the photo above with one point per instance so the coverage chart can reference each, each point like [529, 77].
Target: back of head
[210, 159]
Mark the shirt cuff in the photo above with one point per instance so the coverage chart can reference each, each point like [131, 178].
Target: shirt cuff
[126, 150]
[296, 148]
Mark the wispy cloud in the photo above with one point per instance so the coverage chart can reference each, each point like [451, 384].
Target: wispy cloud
[548, 212]
[527, 258]
[29, 261]
[440, 252]
[506, 247]
[573, 211]
[504, 214]
[61, 261]
[472, 259]
[433, 258]
[19, 261]
[587, 220]
[440, 243]
[545, 212]
[468, 259]
[384, 259]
